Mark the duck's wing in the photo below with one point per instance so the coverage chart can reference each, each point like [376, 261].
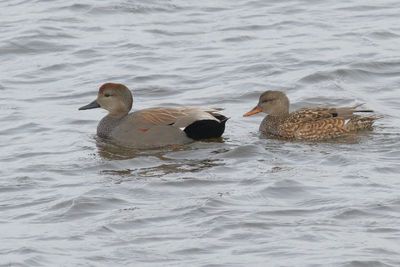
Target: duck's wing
[180, 117]
[318, 113]
[309, 114]
[321, 129]
[324, 123]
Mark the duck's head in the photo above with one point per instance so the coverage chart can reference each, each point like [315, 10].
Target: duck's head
[271, 102]
[113, 97]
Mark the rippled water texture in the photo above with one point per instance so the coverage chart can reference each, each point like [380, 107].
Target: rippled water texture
[67, 199]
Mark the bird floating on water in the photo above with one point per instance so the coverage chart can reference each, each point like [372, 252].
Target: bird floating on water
[152, 127]
[313, 124]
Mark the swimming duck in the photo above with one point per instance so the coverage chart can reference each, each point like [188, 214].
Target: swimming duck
[152, 127]
[311, 124]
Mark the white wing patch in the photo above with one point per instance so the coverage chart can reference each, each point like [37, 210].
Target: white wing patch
[193, 116]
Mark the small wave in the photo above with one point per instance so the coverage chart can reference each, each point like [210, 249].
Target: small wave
[349, 75]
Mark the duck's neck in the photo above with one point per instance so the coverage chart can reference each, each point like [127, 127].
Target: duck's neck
[281, 112]
[271, 122]
[107, 124]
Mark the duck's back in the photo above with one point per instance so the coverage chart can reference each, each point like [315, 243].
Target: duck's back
[317, 123]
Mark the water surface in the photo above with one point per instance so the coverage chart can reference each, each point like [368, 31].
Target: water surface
[67, 199]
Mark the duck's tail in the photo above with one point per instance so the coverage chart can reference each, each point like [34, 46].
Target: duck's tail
[348, 112]
[355, 110]
[359, 123]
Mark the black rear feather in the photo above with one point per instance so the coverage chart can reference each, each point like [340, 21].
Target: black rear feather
[205, 129]
[363, 110]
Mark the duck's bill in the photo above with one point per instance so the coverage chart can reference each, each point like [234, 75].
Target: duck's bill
[255, 110]
[94, 104]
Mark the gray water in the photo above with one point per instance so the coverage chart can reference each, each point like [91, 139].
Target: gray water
[67, 199]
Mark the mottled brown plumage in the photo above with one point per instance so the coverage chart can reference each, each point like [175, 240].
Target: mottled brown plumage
[312, 124]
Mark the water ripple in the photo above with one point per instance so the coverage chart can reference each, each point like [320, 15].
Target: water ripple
[69, 198]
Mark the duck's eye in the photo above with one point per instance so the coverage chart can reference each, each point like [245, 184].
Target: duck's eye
[107, 95]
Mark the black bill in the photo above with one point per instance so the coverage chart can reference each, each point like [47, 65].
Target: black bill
[94, 104]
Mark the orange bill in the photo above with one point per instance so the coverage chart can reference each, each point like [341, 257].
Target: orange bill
[255, 110]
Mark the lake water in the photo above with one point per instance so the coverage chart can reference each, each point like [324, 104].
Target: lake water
[67, 199]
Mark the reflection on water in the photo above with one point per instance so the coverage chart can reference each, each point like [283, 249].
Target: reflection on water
[189, 166]
[111, 151]
[165, 164]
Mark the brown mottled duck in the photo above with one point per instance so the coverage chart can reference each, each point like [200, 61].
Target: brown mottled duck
[313, 124]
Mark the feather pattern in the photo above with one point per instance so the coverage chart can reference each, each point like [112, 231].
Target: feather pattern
[179, 117]
[314, 124]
